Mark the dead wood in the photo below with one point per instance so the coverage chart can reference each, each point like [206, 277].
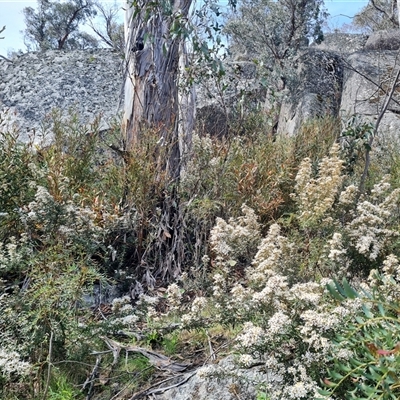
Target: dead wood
[158, 360]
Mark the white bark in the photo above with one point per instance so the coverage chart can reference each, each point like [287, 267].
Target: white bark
[152, 98]
[398, 11]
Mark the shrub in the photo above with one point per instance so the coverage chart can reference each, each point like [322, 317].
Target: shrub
[369, 341]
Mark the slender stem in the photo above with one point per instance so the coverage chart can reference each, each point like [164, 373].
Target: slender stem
[48, 366]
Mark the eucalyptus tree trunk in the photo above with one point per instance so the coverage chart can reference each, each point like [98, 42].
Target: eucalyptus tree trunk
[398, 11]
[154, 35]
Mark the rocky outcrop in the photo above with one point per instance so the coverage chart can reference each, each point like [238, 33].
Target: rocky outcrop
[368, 79]
[384, 40]
[345, 85]
[88, 81]
[342, 43]
[331, 79]
[223, 381]
[316, 90]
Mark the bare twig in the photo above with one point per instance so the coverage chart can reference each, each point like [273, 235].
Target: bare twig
[91, 378]
[157, 360]
[366, 77]
[5, 58]
[46, 388]
[115, 348]
[212, 353]
[371, 139]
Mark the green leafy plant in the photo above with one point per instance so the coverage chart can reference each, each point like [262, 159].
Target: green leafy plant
[371, 342]
[355, 140]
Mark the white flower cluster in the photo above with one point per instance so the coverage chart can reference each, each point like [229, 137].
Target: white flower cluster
[348, 195]
[309, 293]
[315, 196]
[237, 237]
[10, 363]
[14, 252]
[270, 256]
[119, 303]
[336, 249]
[174, 296]
[123, 312]
[246, 360]
[274, 290]
[196, 311]
[370, 229]
[207, 371]
[389, 279]
[251, 336]
[278, 323]
[70, 219]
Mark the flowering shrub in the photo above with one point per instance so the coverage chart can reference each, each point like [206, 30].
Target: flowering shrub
[370, 341]
[316, 196]
[242, 245]
[290, 324]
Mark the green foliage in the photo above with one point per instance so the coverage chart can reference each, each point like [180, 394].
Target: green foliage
[61, 389]
[273, 32]
[74, 214]
[372, 342]
[355, 138]
[262, 396]
[55, 25]
[377, 15]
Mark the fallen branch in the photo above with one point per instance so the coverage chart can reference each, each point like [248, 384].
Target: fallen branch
[157, 360]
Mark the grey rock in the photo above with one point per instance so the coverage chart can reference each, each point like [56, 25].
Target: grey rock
[215, 106]
[88, 81]
[384, 40]
[315, 91]
[228, 382]
[368, 77]
[342, 43]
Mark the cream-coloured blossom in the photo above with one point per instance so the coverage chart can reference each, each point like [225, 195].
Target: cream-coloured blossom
[309, 292]
[371, 228]
[196, 311]
[348, 195]
[276, 288]
[270, 256]
[236, 237]
[315, 196]
[118, 302]
[174, 296]
[246, 360]
[391, 266]
[128, 321]
[207, 371]
[278, 323]
[336, 249]
[297, 391]
[11, 363]
[145, 299]
[344, 354]
[251, 336]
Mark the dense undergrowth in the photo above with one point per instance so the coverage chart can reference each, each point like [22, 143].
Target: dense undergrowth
[277, 258]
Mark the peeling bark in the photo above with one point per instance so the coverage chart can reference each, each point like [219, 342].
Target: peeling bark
[152, 98]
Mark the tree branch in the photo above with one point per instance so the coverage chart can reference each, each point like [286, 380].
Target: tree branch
[371, 139]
